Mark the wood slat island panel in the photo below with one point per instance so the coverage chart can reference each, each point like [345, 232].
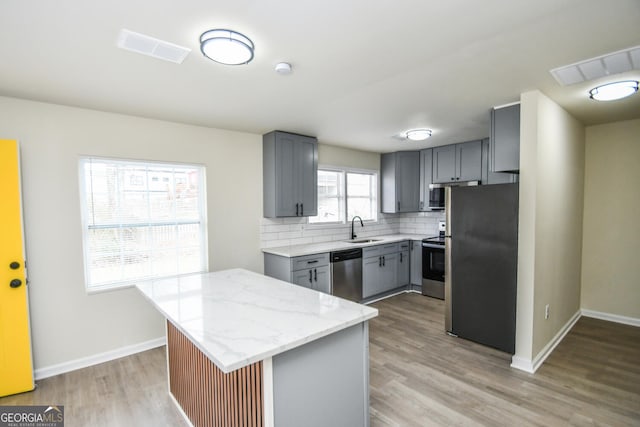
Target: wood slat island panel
[208, 396]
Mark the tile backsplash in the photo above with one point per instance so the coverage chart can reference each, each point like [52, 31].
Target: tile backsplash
[275, 232]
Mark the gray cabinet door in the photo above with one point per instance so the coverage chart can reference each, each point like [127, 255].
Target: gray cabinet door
[304, 278]
[408, 181]
[290, 175]
[404, 263]
[505, 139]
[389, 272]
[371, 276]
[286, 193]
[469, 161]
[444, 164]
[416, 262]
[322, 279]
[400, 177]
[426, 166]
[306, 175]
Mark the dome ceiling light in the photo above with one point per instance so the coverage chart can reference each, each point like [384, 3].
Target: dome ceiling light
[614, 91]
[226, 47]
[418, 134]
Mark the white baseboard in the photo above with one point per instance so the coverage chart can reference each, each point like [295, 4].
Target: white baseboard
[522, 364]
[611, 317]
[95, 359]
[531, 366]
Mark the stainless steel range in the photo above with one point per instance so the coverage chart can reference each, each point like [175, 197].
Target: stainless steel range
[433, 264]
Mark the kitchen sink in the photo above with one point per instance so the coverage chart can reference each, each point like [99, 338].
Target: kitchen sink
[363, 241]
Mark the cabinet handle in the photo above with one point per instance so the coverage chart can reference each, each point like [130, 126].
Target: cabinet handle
[400, 256]
[297, 210]
[310, 276]
[383, 261]
[398, 204]
[453, 179]
[315, 274]
[14, 265]
[312, 262]
[301, 209]
[379, 261]
[15, 283]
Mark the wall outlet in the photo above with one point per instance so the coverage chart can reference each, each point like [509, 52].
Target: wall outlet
[546, 311]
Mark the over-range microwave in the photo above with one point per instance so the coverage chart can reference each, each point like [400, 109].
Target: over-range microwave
[436, 193]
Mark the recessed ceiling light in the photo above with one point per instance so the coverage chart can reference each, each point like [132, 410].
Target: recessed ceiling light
[613, 91]
[226, 47]
[418, 134]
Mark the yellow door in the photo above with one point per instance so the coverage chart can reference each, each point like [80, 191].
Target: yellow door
[16, 369]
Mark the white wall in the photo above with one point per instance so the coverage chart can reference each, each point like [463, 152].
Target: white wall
[67, 323]
[610, 267]
[550, 222]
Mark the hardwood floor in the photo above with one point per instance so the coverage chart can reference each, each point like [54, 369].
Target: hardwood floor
[131, 391]
[419, 377]
[422, 377]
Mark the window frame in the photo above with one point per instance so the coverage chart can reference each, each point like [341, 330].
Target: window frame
[87, 226]
[345, 171]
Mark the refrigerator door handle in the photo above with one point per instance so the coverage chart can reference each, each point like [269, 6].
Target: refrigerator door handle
[447, 262]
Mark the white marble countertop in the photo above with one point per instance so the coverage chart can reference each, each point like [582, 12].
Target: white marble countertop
[238, 317]
[338, 245]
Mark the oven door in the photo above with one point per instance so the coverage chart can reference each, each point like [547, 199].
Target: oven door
[433, 270]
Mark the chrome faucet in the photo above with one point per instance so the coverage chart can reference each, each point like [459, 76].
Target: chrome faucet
[353, 234]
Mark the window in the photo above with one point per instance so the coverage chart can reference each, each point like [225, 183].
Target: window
[342, 194]
[141, 220]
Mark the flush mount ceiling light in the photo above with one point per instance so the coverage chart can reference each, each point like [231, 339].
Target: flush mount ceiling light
[226, 47]
[613, 91]
[418, 134]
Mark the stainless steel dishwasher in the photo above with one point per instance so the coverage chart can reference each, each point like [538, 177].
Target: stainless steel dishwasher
[346, 274]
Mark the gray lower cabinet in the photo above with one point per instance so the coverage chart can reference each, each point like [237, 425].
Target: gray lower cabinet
[290, 175]
[400, 177]
[310, 271]
[379, 269]
[457, 162]
[416, 262]
[426, 166]
[505, 139]
[317, 278]
[489, 177]
[404, 263]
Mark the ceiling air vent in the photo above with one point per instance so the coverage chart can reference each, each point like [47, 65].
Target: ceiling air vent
[146, 45]
[594, 68]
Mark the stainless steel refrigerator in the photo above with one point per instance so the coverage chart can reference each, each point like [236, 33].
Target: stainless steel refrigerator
[481, 253]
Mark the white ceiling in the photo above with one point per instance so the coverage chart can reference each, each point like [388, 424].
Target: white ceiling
[364, 70]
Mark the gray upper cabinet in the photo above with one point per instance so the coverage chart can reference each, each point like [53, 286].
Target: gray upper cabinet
[400, 177]
[505, 139]
[457, 162]
[489, 177]
[426, 166]
[444, 163]
[290, 175]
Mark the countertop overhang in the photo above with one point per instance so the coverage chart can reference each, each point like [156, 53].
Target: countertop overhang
[338, 245]
[238, 317]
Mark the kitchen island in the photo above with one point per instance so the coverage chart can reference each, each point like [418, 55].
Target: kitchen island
[249, 350]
